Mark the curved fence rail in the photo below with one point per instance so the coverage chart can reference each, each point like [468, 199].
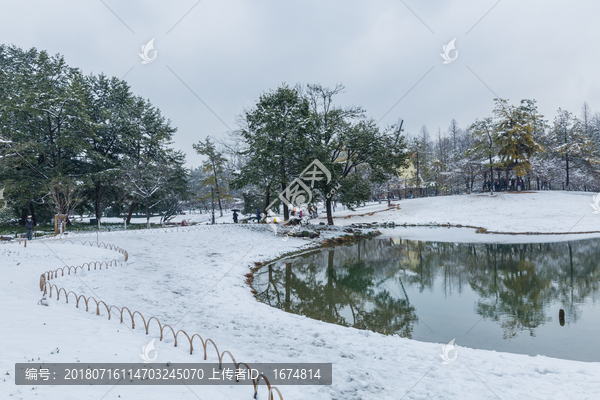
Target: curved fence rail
[165, 330]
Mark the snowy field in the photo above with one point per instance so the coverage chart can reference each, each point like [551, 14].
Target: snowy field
[195, 281]
[519, 212]
[542, 212]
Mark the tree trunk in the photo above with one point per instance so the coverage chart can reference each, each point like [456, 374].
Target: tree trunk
[567, 156]
[219, 201]
[97, 209]
[418, 182]
[217, 187]
[286, 210]
[491, 176]
[147, 216]
[131, 208]
[212, 202]
[267, 199]
[329, 213]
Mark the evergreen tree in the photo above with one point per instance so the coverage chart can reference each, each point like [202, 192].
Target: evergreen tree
[214, 168]
[43, 115]
[515, 127]
[59, 129]
[275, 134]
[109, 105]
[485, 143]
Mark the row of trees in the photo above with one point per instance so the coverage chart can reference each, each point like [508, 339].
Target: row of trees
[71, 142]
[516, 140]
[288, 128]
[74, 144]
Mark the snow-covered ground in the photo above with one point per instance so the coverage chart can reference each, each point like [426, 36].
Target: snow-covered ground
[140, 220]
[542, 212]
[195, 281]
[519, 212]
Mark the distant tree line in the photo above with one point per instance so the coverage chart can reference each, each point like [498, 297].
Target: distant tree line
[517, 143]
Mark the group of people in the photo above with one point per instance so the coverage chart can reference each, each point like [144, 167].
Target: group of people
[312, 212]
[505, 184]
[296, 213]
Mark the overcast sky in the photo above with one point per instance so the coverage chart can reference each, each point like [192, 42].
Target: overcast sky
[386, 52]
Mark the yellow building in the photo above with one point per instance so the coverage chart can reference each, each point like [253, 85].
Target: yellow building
[407, 179]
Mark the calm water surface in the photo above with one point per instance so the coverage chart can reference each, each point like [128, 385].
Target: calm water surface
[504, 297]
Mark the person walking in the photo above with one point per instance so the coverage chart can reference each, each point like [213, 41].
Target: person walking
[257, 216]
[29, 226]
[235, 217]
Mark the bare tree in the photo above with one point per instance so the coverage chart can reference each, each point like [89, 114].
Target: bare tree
[65, 195]
[144, 183]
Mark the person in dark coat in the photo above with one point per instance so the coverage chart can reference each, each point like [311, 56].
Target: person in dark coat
[257, 216]
[235, 217]
[29, 226]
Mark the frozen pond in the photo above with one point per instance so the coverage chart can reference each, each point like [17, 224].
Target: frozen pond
[528, 298]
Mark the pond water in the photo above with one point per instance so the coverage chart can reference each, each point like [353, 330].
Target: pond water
[539, 298]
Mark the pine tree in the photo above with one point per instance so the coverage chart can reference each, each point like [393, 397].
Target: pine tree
[485, 143]
[515, 127]
[63, 127]
[214, 168]
[42, 114]
[275, 135]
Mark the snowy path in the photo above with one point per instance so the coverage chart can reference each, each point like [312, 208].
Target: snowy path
[63, 333]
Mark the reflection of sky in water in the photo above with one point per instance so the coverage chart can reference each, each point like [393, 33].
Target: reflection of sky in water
[503, 297]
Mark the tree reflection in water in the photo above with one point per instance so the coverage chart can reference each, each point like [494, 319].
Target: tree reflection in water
[363, 285]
